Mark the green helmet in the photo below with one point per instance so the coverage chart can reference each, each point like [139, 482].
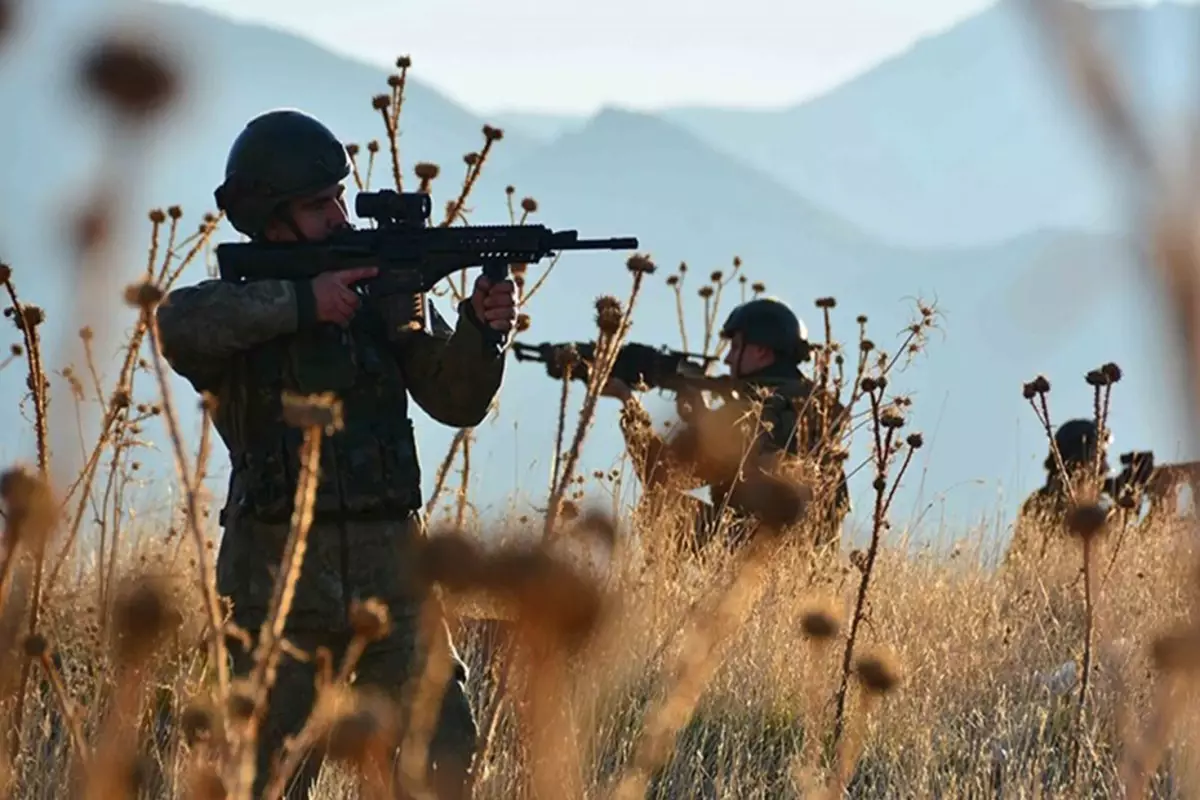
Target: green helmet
[279, 156]
[769, 322]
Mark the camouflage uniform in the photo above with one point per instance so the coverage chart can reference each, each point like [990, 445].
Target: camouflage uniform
[793, 419]
[246, 344]
[1076, 441]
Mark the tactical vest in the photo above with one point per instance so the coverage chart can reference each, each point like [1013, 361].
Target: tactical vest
[369, 467]
[787, 387]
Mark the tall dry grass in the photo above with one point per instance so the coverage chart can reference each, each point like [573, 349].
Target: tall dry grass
[606, 660]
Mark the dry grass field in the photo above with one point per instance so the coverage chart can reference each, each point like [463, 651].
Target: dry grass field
[605, 662]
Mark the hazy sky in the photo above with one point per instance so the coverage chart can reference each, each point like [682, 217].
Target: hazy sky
[571, 55]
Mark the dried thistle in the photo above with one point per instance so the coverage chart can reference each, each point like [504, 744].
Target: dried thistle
[320, 410]
[29, 508]
[819, 621]
[144, 295]
[196, 722]
[529, 205]
[1178, 651]
[492, 134]
[826, 302]
[369, 619]
[142, 615]
[35, 645]
[878, 672]
[426, 171]
[523, 323]
[381, 102]
[1086, 521]
[131, 76]
[639, 264]
[403, 62]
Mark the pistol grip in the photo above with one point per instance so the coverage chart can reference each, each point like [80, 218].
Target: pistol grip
[494, 340]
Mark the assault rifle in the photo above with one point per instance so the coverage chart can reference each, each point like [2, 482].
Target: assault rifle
[411, 257]
[1140, 478]
[656, 367]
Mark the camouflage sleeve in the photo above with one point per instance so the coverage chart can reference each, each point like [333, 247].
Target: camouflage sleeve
[201, 326]
[451, 376]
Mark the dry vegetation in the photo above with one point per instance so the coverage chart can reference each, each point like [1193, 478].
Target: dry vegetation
[772, 672]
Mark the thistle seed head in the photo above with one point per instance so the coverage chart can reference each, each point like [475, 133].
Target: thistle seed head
[1086, 521]
[640, 265]
[427, 171]
[878, 672]
[144, 295]
[819, 621]
[130, 76]
[369, 619]
[318, 410]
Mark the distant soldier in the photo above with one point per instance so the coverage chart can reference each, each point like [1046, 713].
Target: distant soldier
[1045, 509]
[767, 343]
[247, 344]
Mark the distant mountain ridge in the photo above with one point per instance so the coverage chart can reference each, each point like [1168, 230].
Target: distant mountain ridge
[626, 173]
[965, 138]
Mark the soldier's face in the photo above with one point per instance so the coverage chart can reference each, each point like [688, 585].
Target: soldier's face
[316, 216]
[744, 359]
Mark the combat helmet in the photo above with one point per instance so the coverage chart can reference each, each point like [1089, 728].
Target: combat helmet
[280, 155]
[769, 322]
[1076, 441]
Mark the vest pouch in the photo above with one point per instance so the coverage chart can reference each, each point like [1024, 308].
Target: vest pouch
[322, 360]
[378, 468]
[268, 489]
[401, 467]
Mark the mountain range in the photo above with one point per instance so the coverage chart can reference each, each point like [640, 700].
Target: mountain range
[904, 182]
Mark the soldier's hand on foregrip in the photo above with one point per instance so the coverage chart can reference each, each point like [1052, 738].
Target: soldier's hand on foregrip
[495, 305]
[336, 302]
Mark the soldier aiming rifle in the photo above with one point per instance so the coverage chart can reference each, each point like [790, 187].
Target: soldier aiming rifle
[767, 345]
[312, 305]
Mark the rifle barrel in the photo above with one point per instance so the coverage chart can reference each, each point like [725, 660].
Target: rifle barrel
[614, 243]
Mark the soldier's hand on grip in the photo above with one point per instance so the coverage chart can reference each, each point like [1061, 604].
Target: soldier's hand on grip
[336, 301]
[495, 306]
